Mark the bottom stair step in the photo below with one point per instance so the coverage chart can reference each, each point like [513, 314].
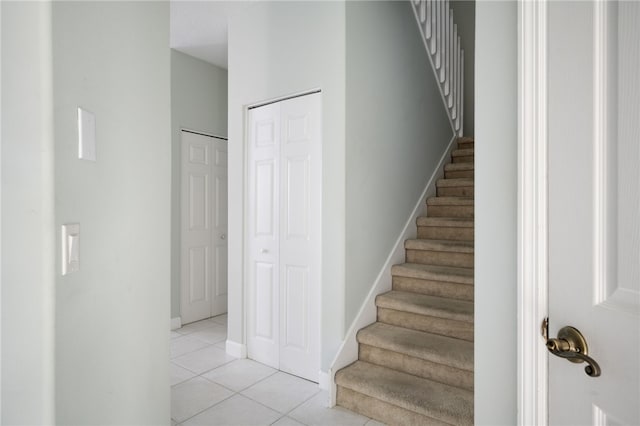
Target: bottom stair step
[401, 399]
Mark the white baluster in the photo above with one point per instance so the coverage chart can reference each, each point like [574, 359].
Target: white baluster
[461, 94]
[455, 71]
[427, 24]
[451, 56]
[438, 29]
[434, 13]
[423, 10]
[445, 46]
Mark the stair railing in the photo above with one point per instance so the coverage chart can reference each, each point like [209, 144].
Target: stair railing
[442, 42]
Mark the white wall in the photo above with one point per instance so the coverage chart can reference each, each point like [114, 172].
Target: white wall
[198, 102]
[464, 12]
[27, 394]
[111, 338]
[276, 49]
[495, 213]
[396, 132]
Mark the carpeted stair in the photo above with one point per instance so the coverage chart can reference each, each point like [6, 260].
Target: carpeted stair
[415, 364]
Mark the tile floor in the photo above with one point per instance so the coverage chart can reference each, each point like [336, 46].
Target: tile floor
[209, 387]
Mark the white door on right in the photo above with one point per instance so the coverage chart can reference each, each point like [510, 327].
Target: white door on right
[594, 207]
[284, 205]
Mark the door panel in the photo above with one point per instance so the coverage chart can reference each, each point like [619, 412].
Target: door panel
[263, 235]
[284, 228]
[593, 208]
[203, 227]
[300, 244]
[196, 238]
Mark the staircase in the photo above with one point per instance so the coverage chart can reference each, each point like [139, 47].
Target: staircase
[415, 364]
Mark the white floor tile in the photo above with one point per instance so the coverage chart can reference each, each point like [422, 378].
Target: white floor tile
[193, 396]
[374, 423]
[281, 391]
[237, 410]
[239, 374]
[178, 374]
[185, 344]
[213, 334]
[203, 359]
[221, 345]
[287, 421]
[175, 335]
[195, 326]
[315, 412]
[220, 319]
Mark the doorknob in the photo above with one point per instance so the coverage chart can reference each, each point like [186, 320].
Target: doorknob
[571, 345]
[223, 236]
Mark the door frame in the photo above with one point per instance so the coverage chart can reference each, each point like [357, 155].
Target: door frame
[532, 215]
[242, 352]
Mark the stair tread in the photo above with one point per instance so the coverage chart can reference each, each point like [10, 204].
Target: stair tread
[454, 182]
[454, 167]
[434, 272]
[435, 348]
[422, 304]
[432, 399]
[450, 201]
[466, 139]
[440, 245]
[462, 152]
[451, 222]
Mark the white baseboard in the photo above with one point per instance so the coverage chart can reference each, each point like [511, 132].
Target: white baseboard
[236, 349]
[348, 351]
[176, 323]
[324, 380]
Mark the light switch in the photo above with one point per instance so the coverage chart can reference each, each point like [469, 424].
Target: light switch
[70, 248]
[86, 135]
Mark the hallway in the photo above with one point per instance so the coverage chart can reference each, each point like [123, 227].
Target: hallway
[209, 387]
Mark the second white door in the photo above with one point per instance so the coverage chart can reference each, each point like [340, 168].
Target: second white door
[204, 227]
[283, 238]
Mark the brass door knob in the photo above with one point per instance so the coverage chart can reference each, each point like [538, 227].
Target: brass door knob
[571, 345]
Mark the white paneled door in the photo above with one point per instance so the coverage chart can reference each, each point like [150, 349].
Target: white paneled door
[203, 271]
[594, 208]
[284, 153]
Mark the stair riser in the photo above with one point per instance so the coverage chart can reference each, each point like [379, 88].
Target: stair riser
[465, 145]
[445, 233]
[455, 174]
[440, 258]
[417, 367]
[442, 326]
[463, 159]
[450, 211]
[380, 410]
[455, 191]
[434, 288]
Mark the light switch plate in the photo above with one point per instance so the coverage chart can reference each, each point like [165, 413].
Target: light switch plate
[70, 248]
[86, 135]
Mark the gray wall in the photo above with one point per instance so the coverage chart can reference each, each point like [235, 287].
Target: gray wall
[396, 132]
[276, 49]
[27, 215]
[464, 13]
[495, 213]
[198, 102]
[111, 337]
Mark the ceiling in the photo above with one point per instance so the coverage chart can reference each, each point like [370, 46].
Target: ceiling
[199, 28]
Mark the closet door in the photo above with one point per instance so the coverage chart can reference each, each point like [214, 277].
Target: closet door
[300, 232]
[203, 229]
[263, 236]
[283, 238]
